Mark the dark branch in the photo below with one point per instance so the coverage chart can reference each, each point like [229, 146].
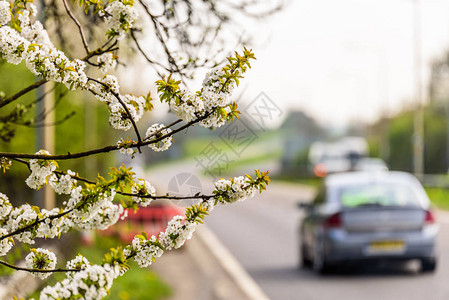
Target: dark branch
[99, 150]
[22, 92]
[37, 270]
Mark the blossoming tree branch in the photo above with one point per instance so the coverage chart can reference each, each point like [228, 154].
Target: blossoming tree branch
[91, 203]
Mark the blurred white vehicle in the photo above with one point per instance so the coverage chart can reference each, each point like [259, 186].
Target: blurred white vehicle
[370, 164]
[339, 156]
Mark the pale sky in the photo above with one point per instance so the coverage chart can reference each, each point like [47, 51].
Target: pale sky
[345, 59]
[340, 60]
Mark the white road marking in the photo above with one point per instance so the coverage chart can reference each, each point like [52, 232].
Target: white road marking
[231, 265]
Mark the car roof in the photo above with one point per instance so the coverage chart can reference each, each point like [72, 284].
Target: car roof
[371, 160]
[366, 177]
[334, 182]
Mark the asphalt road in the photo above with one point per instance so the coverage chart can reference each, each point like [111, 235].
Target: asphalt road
[262, 235]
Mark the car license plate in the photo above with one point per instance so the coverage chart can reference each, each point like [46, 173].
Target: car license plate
[386, 247]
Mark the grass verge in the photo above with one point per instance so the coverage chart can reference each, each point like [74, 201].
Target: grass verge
[439, 197]
[314, 182]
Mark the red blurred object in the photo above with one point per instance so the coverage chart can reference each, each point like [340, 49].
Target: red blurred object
[334, 221]
[320, 170]
[152, 220]
[430, 218]
[87, 238]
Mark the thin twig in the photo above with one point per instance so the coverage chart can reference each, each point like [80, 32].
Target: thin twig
[55, 123]
[100, 50]
[22, 92]
[117, 96]
[155, 23]
[152, 62]
[21, 161]
[108, 41]
[173, 123]
[80, 29]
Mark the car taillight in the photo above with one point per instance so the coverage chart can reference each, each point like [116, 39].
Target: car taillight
[430, 218]
[334, 221]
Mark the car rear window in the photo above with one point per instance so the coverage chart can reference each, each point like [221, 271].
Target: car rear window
[378, 194]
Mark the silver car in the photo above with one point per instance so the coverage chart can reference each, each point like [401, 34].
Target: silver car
[361, 216]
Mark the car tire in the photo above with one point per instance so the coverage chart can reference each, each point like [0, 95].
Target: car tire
[428, 265]
[320, 265]
[304, 258]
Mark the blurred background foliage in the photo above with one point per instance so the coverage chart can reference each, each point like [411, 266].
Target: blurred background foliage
[73, 131]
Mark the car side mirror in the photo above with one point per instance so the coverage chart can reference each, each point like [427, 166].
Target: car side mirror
[304, 205]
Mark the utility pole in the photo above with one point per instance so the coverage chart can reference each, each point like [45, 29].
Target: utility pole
[418, 123]
[45, 135]
[49, 138]
[90, 139]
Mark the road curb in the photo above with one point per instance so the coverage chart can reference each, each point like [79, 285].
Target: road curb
[230, 264]
[442, 216]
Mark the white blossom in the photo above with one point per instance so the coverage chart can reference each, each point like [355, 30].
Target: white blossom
[214, 95]
[12, 46]
[51, 227]
[106, 61]
[5, 244]
[177, 232]
[78, 263]
[214, 120]
[20, 217]
[5, 206]
[137, 103]
[146, 251]
[112, 82]
[108, 214]
[108, 92]
[208, 205]
[33, 9]
[222, 184]
[5, 12]
[127, 151]
[93, 283]
[156, 131]
[143, 187]
[120, 18]
[64, 183]
[99, 214]
[40, 171]
[119, 118]
[41, 259]
[238, 189]
[75, 197]
[190, 108]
